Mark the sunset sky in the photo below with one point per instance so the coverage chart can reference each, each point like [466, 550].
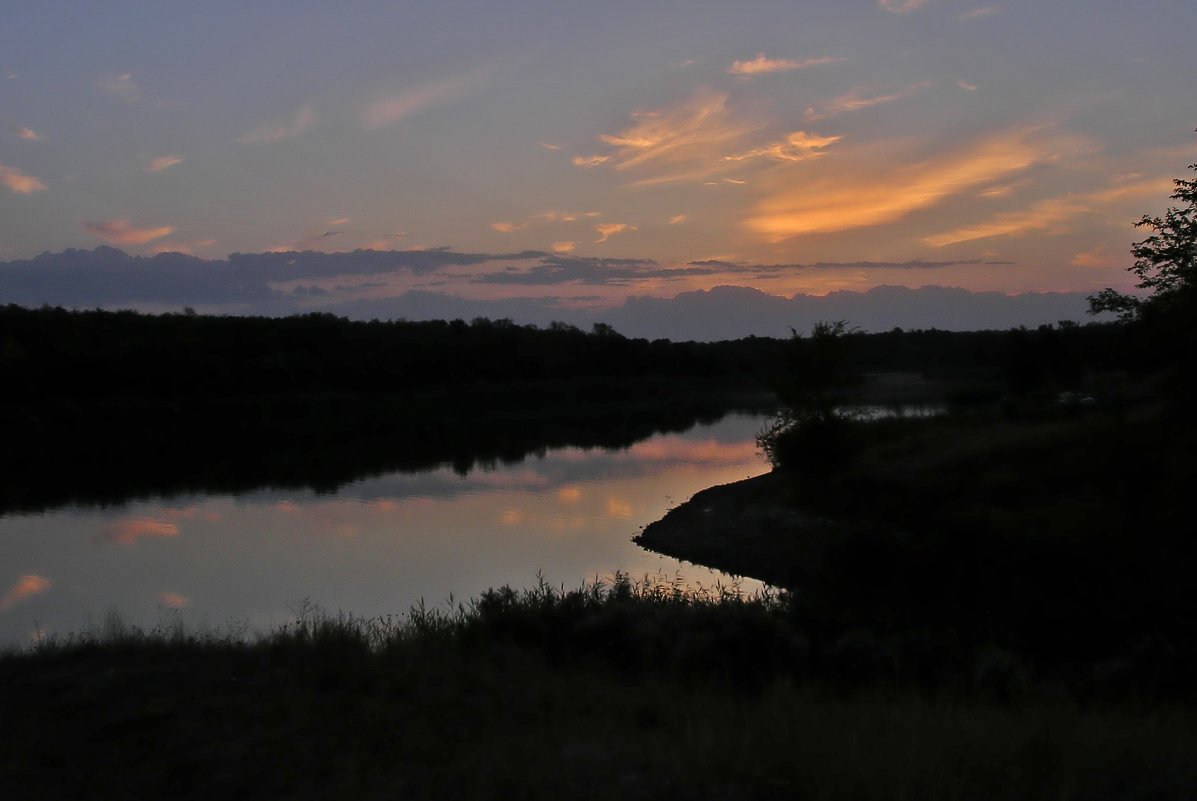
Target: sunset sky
[791, 146]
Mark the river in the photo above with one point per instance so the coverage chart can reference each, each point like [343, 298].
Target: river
[375, 546]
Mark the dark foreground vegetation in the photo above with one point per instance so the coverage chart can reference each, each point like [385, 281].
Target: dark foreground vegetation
[628, 690]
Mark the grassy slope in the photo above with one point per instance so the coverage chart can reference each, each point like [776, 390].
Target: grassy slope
[635, 692]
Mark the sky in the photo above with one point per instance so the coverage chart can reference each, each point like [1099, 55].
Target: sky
[634, 149]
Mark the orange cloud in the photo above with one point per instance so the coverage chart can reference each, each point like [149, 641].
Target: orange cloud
[304, 119]
[685, 141]
[874, 198]
[162, 162]
[121, 232]
[1042, 216]
[677, 219]
[590, 161]
[858, 99]
[179, 247]
[564, 247]
[24, 588]
[798, 146]
[1048, 215]
[543, 218]
[608, 230]
[28, 133]
[761, 64]
[1097, 257]
[18, 182]
[127, 532]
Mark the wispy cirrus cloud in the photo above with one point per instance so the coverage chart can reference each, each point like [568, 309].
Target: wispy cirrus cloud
[686, 141]
[122, 232]
[677, 219]
[901, 6]
[590, 161]
[762, 64]
[608, 230]
[303, 120]
[163, 162]
[798, 146]
[1049, 215]
[27, 133]
[18, 182]
[23, 589]
[121, 85]
[978, 13]
[858, 99]
[882, 196]
[395, 107]
[544, 217]
[186, 248]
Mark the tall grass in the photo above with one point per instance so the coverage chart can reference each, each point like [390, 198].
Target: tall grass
[640, 689]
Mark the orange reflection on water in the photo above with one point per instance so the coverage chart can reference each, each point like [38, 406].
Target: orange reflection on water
[703, 451]
[617, 507]
[127, 532]
[22, 589]
[173, 600]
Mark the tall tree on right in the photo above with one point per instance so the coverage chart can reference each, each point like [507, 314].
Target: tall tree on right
[1165, 262]
[1164, 335]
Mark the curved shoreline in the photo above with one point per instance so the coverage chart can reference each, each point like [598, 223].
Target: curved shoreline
[747, 528]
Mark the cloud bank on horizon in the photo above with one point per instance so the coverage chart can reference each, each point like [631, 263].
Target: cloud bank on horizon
[639, 150]
[702, 300]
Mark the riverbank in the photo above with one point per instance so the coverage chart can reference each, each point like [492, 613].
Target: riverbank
[1057, 539]
[634, 690]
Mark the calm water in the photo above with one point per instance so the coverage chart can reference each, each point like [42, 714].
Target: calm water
[377, 546]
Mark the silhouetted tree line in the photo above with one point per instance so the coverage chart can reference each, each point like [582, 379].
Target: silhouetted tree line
[58, 353]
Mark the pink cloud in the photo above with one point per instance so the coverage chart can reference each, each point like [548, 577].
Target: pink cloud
[18, 182]
[122, 232]
[762, 65]
[162, 162]
[393, 108]
[901, 6]
[304, 119]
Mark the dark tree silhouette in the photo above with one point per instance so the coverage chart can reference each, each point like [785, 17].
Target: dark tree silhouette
[1165, 262]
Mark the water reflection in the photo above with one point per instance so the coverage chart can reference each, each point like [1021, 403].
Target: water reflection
[376, 546]
[214, 454]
